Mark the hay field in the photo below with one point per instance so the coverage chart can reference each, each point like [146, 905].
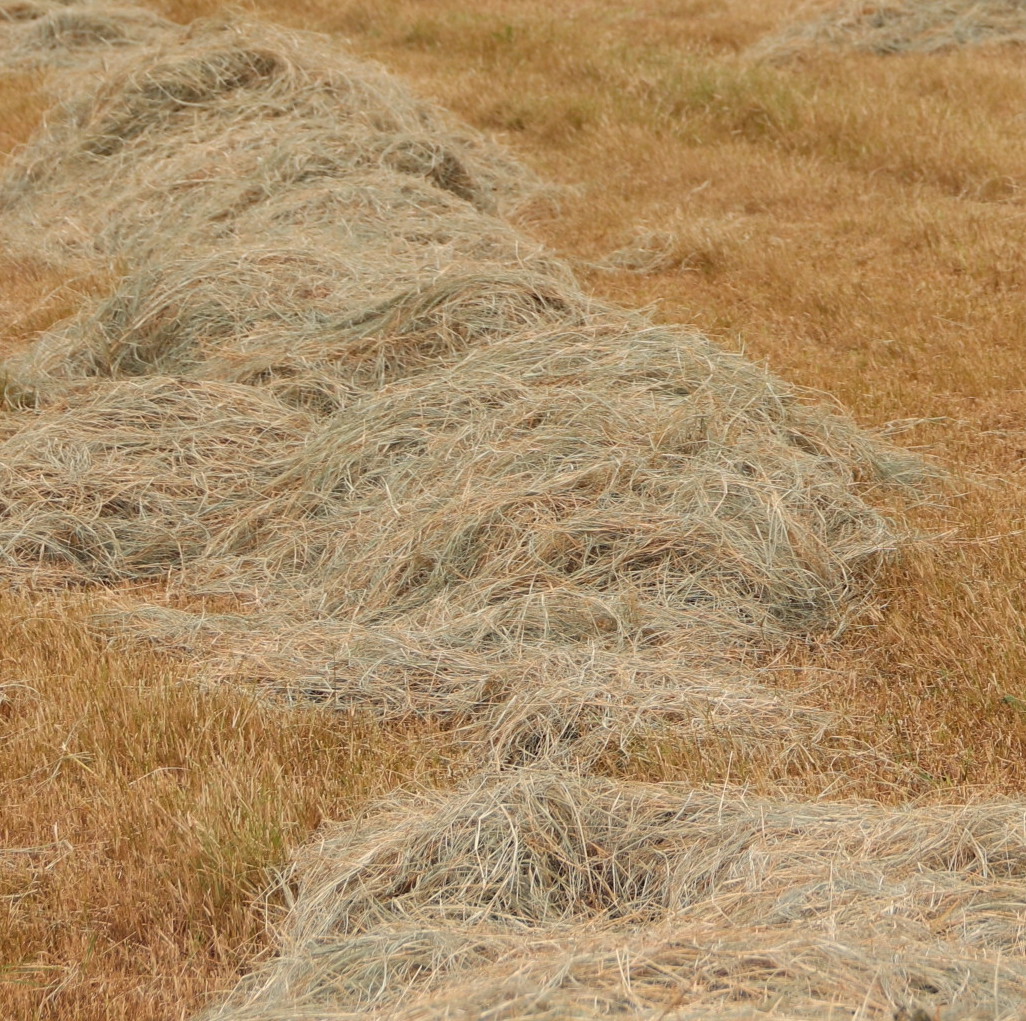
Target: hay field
[902, 26]
[664, 738]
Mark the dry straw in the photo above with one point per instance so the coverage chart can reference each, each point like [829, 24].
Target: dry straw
[539, 895]
[697, 245]
[552, 700]
[464, 460]
[901, 26]
[333, 390]
[168, 148]
[56, 35]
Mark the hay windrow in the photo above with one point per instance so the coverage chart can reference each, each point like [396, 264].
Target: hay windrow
[901, 26]
[545, 489]
[332, 389]
[537, 895]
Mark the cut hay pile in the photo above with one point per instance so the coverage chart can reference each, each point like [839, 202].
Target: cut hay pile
[57, 34]
[333, 386]
[902, 26]
[538, 895]
[335, 392]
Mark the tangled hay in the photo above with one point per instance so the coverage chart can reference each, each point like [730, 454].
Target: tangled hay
[56, 35]
[463, 461]
[170, 147]
[538, 895]
[553, 701]
[332, 316]
[540, 490]
[334, 390]
[132, 479]
[903, 26]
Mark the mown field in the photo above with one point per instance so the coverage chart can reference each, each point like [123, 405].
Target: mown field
[851, 220]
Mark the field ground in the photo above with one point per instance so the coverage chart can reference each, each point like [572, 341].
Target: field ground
[852, 221]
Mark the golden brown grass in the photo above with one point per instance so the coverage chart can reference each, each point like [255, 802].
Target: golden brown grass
[36, 295]
[23, 102]
[851, 220]
[142, 816]
[33, 295]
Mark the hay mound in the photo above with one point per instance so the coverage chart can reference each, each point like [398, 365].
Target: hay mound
[590, 485]
[473, 477]
[286, 315]
[537, 895]
[332, 388]
[903, 26]
[168, 148]
[55, 35]
[132, 479]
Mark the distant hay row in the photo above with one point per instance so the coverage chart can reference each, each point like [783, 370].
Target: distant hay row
[422, 475]
[901, 26]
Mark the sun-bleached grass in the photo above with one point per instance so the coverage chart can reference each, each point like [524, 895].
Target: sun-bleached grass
[23, 100]
[37, 294]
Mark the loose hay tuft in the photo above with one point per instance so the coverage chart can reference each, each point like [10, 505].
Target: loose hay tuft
[69, 36]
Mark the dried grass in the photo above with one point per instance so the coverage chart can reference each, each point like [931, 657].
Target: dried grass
[695, 246]
[395, 425]
[56, 35]
[436, 480]
[219, 120]
[540, 493]
[539, 895]
[551, 700]
[423, 544]
[902, 26]
[132, 480]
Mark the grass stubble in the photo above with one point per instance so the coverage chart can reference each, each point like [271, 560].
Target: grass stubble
[856, 237]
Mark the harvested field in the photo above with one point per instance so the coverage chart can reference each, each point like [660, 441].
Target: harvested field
[903, 26]
[330, 428]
